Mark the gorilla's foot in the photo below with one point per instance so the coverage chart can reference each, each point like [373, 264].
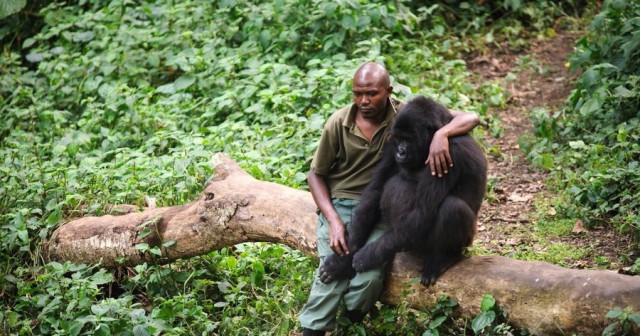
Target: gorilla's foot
[428, 278]
[336, 267]
[365, 259]
[432, 270]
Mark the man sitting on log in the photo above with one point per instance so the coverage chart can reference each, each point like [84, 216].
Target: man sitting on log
[350, 146]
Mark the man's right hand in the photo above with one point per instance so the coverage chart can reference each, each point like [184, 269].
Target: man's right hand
[322, 197]
[338, 238]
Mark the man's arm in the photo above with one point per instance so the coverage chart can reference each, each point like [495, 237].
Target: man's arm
[337, 232]
[439, 158]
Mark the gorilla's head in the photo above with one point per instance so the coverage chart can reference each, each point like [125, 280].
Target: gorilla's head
[413, 130]
[410, 141]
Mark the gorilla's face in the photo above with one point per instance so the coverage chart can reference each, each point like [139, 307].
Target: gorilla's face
[411, 136]
[411, 147]
[413, 130]
[402, 151]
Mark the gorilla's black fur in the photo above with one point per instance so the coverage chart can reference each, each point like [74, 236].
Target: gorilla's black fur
[433, 217]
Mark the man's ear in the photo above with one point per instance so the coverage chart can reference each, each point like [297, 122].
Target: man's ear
[389, 91]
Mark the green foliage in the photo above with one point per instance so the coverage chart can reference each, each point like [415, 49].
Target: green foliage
[66, 299]
[487, 314]
[401, 319]
[9, 7]
[635, 268]
[593, 144]
[106, 102]
[628, 322]
[496, 23]
[440, 318]
[488, 321]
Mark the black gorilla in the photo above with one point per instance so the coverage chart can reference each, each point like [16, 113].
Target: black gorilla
[433, 217]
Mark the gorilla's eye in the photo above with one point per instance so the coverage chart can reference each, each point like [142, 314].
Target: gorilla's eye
[403, 138]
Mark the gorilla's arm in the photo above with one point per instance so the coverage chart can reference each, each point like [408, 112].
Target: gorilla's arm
[439, 159]
[367, 215]
[411, 229]
[440, 222]
[368, 212]
[394, 240]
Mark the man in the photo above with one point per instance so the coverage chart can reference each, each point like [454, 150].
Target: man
[350, 147]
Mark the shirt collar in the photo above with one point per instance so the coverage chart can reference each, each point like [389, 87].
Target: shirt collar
[392, 106]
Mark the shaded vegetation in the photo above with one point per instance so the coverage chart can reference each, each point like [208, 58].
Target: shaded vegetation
[595, 139]
[105, 102]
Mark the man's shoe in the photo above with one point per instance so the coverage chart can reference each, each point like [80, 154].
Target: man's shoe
[355, 316]
[311, 332]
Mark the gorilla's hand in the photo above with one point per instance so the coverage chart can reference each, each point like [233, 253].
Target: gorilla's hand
[336, 267]
[364, 259]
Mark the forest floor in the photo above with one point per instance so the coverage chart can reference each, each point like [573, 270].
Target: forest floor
[510, 222]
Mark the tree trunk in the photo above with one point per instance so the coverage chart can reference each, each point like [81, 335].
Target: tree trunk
[542, 298]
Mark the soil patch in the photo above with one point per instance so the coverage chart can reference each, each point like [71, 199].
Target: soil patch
[507, 224]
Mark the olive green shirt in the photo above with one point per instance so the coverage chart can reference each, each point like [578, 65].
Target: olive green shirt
[344, 156]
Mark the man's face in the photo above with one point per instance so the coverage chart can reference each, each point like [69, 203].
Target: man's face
[370, 95]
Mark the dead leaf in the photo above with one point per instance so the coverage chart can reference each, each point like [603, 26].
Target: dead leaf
[513, 241]
[481, 227]
[577, 227]
[520, 198]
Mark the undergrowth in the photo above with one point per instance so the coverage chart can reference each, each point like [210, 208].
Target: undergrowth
[106, 102]
[592, 145]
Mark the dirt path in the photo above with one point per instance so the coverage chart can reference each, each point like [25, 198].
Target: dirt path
[507, 225]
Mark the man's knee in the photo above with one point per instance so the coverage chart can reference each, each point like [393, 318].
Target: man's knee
[369, 278]
[368, 282]
[364, 290]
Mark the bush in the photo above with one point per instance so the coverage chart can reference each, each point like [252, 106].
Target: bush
[111, 101]
[595, 139]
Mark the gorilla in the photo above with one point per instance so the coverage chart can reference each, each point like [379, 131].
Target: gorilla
[432, 217]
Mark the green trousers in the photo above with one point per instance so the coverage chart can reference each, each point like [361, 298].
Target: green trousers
[359, 293]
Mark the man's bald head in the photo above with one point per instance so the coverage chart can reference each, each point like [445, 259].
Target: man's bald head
[371, 91]
[372, 73]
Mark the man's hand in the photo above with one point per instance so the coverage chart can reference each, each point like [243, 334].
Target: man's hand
[439, 158]
[338, 237]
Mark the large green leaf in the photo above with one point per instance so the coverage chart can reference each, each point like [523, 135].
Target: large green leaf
[483, 320]
[8, 7]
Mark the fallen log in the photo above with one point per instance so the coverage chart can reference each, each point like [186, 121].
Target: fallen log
[234, 208]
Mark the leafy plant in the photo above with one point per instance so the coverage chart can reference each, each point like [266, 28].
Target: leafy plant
[487, 322]
[106, 102]
[594, 140]
[628, 322]
[440, 316]
[9, 7]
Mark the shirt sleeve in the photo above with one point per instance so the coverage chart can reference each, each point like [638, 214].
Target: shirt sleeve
[328, 149]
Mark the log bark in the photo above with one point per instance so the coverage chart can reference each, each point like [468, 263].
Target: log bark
[234, 208]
